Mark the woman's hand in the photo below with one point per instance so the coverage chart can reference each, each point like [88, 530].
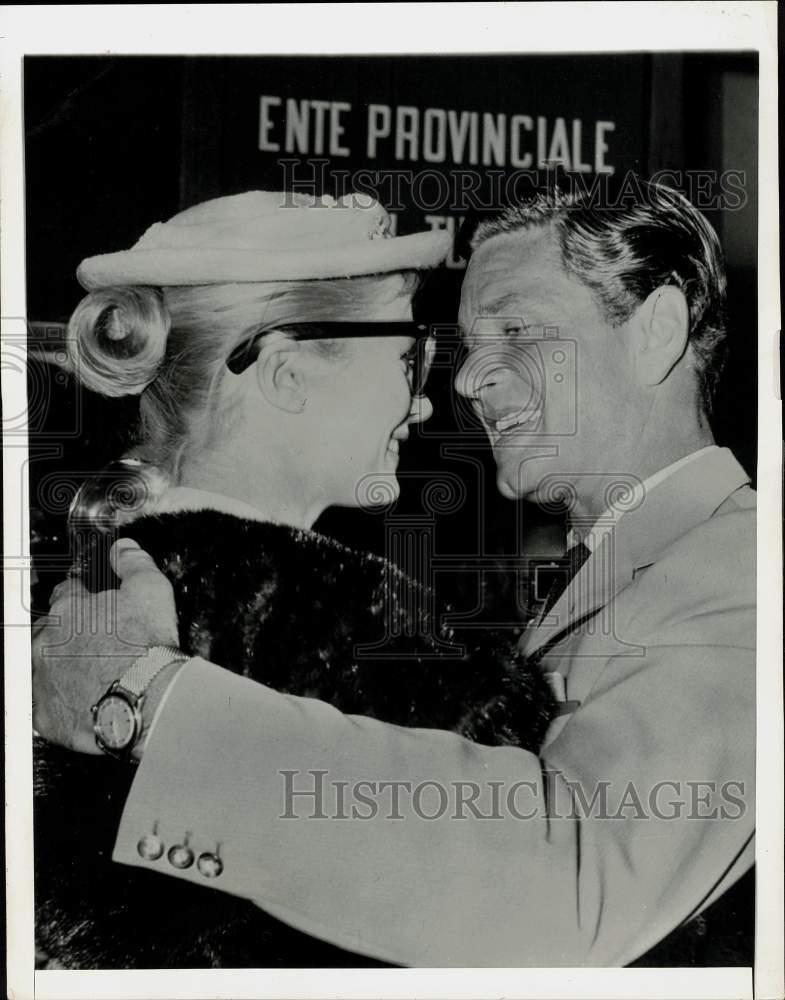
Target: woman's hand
[89, 640]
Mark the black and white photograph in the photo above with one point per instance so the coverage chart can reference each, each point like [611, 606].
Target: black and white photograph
[393, 491]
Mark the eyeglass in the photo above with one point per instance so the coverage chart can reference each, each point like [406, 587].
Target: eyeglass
[419, 357]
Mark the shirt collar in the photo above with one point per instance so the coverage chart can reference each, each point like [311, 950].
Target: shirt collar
[639, 493]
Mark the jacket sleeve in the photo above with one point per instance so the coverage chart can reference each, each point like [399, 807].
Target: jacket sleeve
[420, 848]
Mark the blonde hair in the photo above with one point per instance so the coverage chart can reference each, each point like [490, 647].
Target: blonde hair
[170, 346]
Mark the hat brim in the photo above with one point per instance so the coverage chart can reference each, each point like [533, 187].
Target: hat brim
[200, 266]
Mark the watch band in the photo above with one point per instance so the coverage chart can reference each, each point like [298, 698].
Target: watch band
[146, 668]
[130, 691]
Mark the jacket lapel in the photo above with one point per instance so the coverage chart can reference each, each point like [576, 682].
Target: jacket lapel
[627, 541]
[606, 572]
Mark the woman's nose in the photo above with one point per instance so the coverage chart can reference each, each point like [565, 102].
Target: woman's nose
[421, 409]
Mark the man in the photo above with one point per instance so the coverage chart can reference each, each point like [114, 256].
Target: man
[638, 812]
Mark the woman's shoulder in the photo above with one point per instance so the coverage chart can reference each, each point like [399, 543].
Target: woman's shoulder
[202, 529]
[184, 540]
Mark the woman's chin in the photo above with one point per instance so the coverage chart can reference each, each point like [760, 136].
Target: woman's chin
[379, 489]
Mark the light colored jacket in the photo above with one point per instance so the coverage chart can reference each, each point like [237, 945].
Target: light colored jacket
[637, 814]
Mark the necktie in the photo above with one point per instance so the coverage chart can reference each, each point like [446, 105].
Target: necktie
[575, 558]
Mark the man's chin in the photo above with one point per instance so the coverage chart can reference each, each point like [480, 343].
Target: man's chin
[519, 477]
[511, 491]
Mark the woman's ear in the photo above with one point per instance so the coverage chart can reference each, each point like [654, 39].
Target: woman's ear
[663, 328]
[281, 372]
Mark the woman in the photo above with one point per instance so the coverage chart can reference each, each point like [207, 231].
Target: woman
[279, 371]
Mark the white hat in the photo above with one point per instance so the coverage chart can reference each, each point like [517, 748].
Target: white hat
[266, 236]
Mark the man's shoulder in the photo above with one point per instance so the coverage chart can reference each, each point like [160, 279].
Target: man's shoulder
[702, 587]
[725, 539]
[724, 543]
[744, 498]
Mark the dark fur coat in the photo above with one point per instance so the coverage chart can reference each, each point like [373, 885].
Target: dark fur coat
[292, 610]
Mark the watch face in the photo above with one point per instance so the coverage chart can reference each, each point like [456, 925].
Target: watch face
[115, 722]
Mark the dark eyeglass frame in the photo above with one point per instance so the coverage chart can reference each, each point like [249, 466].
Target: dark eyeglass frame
[422, 352]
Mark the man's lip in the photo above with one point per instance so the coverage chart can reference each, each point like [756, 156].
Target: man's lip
[512, 419]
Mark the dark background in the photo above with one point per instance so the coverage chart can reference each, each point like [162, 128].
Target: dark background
[114, 144]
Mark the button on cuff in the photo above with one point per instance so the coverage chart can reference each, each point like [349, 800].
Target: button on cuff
[210, 865]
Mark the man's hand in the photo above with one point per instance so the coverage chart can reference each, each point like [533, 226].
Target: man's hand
[89, 640]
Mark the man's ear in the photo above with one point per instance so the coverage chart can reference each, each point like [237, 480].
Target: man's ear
[281, 372]
[663, 328]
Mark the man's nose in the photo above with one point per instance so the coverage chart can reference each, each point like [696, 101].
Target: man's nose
[476, 374]
[421, 410]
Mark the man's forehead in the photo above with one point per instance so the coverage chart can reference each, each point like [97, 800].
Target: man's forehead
[507, 270]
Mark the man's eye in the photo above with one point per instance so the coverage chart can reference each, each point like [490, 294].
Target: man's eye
[514, 329]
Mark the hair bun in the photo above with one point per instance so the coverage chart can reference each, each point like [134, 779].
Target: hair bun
[117, 339]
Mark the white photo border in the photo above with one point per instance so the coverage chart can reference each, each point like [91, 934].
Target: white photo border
[372, 29]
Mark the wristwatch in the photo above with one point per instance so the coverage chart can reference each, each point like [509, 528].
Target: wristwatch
[117, 715]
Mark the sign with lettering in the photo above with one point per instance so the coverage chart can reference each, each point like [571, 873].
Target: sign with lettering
[431, 137]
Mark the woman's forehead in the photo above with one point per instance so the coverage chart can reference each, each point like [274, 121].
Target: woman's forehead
[399, 310]
[393, 344]
[375, 346]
